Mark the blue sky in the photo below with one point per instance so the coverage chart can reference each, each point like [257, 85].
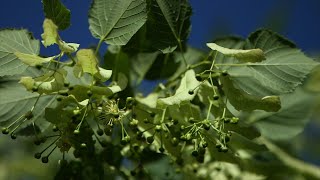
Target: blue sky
[296, 19]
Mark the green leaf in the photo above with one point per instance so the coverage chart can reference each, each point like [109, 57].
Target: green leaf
[250, 55]
[170, 21]
[12, 41]
[116, 21]
[32, 59]
[182, 95]
[15, 101]
[88, 61]
[289, 120]
[57, 12]
[140, 64]
[50, 35]
[283, 70]
[246, 102]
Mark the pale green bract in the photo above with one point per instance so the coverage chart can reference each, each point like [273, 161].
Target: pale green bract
[32, 59]
[116, 21]
[12, 41]
[50, 35]
[188, 83]
[249, 55]
[88, 61]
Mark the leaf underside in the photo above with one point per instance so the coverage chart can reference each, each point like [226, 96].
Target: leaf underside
[12, 41]
[116, 21]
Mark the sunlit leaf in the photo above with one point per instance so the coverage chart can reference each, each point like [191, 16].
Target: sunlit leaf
[104, 74]
[88, 61]
[50, 35]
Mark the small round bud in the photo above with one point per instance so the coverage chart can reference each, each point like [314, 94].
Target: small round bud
[195, 153]
[175, 121]
[116, 115]
[161, 149]
[34, 89]
[224, 149]
[224, 73]
[192, 120]
[150, 139]
[234, 120]
[108, 130]
[66, 84]
[37, 155]
[158, 128]
[175, 141]
[55, 128]
[206, 126]
[39, 66]
[13, 136]
[37, 142]
[76, 132]
[5, 130]
[104, 143]
[152, 114]
[182, 127]
[63, 92]
[28, 115]
[83, 145]
[202, 151]
[89, 93]
[133, 173]
[45, 159]
[204, 144]
[133, 123]
[59, 98]
[100, 132]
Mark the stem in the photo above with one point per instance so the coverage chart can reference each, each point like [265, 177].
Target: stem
[163, 115]
[98, 46]
[183, 58]
[209, 110]
[293, 163]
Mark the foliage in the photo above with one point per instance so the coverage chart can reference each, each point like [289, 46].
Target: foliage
[209, 114]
